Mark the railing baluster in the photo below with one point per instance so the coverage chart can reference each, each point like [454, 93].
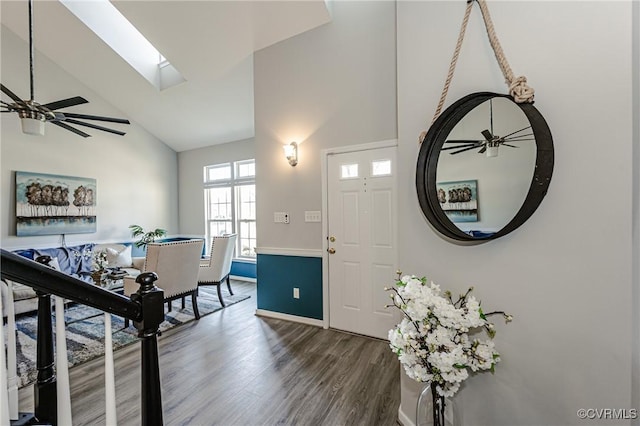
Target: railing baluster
[151, 299]
[109, 375]
[62, 367]
[4, 391]
[12, 365]
[45, 398]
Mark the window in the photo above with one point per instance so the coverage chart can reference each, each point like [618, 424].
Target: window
[381, 168]
[348, 171]
[108, 23]
[230, 203]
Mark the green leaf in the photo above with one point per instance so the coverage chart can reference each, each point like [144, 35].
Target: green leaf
[482, 314]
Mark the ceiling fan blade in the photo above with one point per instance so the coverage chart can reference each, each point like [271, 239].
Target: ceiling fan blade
[10, 94]
[517, 131]
[64, 103]
[512, 146]
[7, 106]
[465, 149]
[487, 135]
[461, 146]
[94, 126]
[482, 151]
[71, 129]
[462, 141]
[519, 138]
[97, 118]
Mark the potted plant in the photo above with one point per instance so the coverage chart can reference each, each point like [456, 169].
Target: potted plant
[145, 237]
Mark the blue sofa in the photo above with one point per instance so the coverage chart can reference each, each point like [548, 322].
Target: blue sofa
[75, 261]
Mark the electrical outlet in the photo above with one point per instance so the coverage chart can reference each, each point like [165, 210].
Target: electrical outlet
[296, 293]
[286, 217]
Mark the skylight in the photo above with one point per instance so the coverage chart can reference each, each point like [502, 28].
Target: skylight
[113, 28]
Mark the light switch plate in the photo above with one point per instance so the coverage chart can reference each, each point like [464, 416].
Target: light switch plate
[312, 216]
[281, 217]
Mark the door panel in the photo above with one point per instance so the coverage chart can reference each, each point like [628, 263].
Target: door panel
[361, 219]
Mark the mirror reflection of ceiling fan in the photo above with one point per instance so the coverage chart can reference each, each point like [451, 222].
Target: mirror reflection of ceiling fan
[34, 115]
[489, 145]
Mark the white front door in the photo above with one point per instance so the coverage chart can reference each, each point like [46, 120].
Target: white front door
[362, 212]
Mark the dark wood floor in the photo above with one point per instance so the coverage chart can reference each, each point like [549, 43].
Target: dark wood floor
[235, 368]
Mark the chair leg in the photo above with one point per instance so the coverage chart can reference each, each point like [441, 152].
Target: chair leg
[220, 295]
[194, 303]
[182, 302]
[169, 305]
[229, 285]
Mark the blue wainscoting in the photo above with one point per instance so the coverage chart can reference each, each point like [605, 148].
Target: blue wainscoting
[241, 268]
[279, 274]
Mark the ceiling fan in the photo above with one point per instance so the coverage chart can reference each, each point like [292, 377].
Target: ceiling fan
[33, 115]
[489, 145]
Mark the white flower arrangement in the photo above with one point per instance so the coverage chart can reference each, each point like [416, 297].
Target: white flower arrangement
[432, 341]
[99, 260]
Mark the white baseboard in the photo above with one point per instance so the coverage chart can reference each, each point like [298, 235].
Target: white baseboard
[241, 278]
[287, 317]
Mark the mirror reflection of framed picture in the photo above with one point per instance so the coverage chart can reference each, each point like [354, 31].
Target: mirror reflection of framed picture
[459, 200]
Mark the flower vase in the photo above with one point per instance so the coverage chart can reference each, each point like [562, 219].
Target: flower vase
[444, 413]
[98, 276]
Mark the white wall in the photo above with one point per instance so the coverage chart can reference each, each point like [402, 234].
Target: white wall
[566, 273]
[190, 177]
[136, 174]
[331, 86]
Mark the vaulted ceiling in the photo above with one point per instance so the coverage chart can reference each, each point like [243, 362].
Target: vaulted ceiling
[210, 42]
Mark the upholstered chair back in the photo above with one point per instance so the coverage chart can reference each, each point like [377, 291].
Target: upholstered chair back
[176, 263]
[218, 266]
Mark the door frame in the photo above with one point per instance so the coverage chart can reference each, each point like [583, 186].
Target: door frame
[324, 175]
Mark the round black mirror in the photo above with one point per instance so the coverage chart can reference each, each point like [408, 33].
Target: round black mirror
[484, 167]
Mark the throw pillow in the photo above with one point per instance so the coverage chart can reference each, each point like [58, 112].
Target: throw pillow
[53, 263]
[119, 258]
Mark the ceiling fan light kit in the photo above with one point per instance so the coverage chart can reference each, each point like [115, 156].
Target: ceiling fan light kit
[467, 127]
[33, 115]
[32, 126]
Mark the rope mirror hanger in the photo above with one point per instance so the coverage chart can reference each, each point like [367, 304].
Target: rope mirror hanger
[518, 88]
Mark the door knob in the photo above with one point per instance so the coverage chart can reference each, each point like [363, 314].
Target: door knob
[332, 239]
[331, 250]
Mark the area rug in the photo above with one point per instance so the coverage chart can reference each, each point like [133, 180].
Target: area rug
[85, 330]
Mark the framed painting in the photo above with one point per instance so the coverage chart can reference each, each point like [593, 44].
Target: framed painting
[53, 204]
[459, 200]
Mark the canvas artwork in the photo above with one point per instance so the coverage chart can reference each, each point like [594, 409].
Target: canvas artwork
[459, 200]
[53, 204]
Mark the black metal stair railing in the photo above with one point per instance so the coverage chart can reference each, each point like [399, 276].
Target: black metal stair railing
[144, 308]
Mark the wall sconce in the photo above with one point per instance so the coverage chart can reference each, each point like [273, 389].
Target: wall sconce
[291, 152]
